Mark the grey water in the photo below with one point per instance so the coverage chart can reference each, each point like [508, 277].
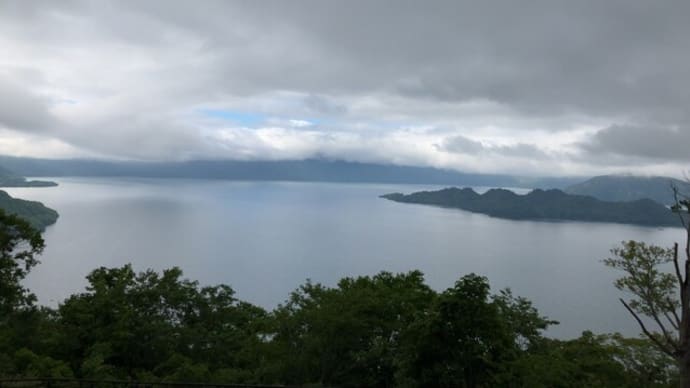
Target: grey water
[266, 238]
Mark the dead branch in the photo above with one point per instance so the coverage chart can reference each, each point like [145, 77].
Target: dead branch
[661, 346]
[671, 321]
[679, 276]
[675, 315]
[664, 331]
[677, 206]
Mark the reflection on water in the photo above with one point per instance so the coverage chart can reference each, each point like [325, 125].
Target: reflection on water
[266, 238]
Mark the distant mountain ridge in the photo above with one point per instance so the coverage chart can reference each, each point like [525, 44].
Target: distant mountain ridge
[623, 188]
[317, 170]
[549, 205]
[38, 215]
[9, 179]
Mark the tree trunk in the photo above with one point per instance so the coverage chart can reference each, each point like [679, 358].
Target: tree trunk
[684, 370]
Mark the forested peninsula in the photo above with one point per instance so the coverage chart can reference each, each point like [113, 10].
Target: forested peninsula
[9, 179]
[37, 214]
[552, 205]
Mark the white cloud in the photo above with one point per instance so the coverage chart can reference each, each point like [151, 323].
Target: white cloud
[410, 84]
[300, 123]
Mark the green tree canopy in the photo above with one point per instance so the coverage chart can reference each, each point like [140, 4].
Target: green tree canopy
[20, 245]
[128, 324]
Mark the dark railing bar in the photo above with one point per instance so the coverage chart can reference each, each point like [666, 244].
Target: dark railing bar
[133, 383]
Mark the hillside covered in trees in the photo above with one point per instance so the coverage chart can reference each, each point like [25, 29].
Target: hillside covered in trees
[35, 212]
[553, 205]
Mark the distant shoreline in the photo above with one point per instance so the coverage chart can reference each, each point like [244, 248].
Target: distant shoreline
[27, 183]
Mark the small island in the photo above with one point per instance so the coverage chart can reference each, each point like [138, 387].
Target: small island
[546, 205]
[38, 215]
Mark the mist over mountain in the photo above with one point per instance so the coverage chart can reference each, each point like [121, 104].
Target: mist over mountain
[317, 170]
[630, 188]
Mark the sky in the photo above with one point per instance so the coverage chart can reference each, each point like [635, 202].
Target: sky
[548, 88]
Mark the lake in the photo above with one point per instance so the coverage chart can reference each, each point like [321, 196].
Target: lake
[266, 238]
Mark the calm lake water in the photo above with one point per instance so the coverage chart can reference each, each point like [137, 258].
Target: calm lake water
[266, 238]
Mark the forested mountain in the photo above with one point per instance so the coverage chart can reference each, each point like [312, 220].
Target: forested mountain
[38, 215]
[309, 170]
[630, 188]
[544, 205]
[9, 179]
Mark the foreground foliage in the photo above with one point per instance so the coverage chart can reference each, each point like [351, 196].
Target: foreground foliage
[20, 244]
[380, 331]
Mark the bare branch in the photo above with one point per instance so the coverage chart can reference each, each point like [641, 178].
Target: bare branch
[673, 323]
[675, 315]
[678, 206]
[687, 252]
[676, 265]
[664, 331]
[661, 346]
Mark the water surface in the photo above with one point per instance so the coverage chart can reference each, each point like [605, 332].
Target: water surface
[266, 238]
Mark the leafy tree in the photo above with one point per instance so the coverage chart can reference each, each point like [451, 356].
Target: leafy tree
[348, 335]
[593, 361]
[179, 368]
[522, 319]
[645, 364]
[29, 364]
[20, 244]
[129, 325]
[468, 338]
[31, 328]
[94, 365]
[661, 295]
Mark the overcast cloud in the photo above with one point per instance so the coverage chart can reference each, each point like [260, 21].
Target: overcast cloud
[534, 88]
